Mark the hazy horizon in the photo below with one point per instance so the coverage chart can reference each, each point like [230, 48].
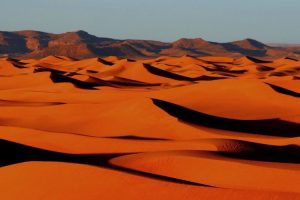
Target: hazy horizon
[268, 21]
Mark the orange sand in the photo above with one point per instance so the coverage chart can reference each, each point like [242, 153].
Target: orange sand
[162, 128]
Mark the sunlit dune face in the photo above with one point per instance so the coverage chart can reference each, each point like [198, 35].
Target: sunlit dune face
[162, 128]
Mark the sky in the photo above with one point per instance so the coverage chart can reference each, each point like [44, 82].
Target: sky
[165, 20]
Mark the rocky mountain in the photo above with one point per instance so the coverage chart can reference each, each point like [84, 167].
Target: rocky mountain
[80, 44]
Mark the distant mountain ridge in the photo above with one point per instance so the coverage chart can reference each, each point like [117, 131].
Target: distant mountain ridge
[80, 44]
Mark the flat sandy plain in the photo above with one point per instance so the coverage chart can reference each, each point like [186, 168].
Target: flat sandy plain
[163, 128]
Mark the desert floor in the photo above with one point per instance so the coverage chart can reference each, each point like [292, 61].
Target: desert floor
[163, 128]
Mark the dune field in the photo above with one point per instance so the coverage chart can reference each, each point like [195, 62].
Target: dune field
[162, 128]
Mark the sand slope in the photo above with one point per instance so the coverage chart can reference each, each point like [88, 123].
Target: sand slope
[163, 128]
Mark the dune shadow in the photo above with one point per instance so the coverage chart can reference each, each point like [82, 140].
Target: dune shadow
[13, 153]
[121, 82]
[257, 60]
[27, 103]
[137, 138]
[167, 74]
[105, 62]
[268, 127]
[60, 78]
[263, 68]
[223, 69]
[258, 152]
[282, 90]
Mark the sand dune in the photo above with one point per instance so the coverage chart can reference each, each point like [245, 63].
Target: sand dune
[160, 128]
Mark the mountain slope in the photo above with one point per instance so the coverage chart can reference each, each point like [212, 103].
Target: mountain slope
[80, 44]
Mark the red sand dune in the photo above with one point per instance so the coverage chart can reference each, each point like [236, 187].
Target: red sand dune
[164, 128]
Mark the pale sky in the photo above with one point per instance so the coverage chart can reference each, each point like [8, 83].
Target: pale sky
[165, 20]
